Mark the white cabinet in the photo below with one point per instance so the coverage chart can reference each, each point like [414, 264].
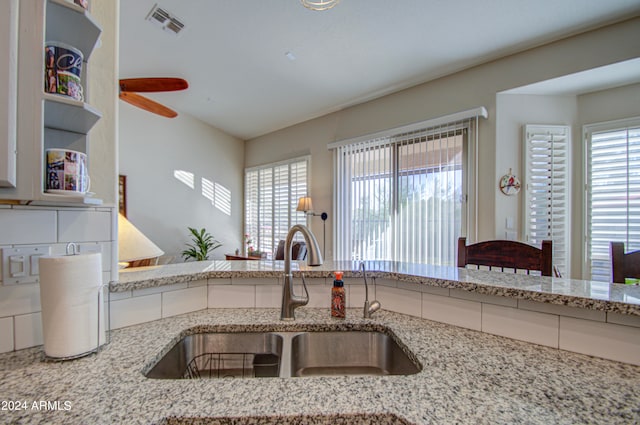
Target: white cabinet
[8, 91]
[47, 120]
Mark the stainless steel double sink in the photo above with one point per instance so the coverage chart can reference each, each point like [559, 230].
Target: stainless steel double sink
[284, 354]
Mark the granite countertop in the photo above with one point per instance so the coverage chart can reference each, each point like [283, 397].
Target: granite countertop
[609, 297]
[467, 378]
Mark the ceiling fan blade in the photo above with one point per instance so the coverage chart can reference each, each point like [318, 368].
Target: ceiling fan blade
[147, 104]
[152, 84]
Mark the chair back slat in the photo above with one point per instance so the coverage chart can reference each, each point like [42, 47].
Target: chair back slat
[623, 265]
[507, 255]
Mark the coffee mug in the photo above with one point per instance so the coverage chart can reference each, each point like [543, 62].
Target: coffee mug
[66, 172]
[62, 69]
[69, 84]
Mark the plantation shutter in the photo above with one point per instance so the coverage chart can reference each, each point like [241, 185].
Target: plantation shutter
[546, 209]
[271, 198]
[613, 192]
[251, 204]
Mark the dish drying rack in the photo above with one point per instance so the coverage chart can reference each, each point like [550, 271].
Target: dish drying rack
[232, 365]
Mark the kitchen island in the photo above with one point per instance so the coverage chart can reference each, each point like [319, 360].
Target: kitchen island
[608, 297]
[467, 377]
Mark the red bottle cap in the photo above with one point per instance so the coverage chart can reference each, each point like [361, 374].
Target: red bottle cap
[338, 275]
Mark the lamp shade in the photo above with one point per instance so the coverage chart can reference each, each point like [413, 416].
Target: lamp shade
[305, 204]
[133, 245]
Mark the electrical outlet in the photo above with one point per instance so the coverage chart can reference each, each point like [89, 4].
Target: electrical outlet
[20, 265]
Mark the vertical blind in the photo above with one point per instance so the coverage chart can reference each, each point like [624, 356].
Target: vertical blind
[613, 192]
[271, 198]
[402, 197]
[547, 200]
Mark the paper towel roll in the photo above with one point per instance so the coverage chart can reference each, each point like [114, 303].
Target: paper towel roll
[72, 305]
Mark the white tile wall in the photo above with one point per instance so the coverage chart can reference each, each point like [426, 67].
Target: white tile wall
[158, 289]
[356, 295]
[562, 310]
[84, 226]
[319, 295]
[184, 301]
[22, 226]
[131, 311]
[250, 281]
[28, 330]
[92, 228]
[457, 312]
[399, 300]
[6, 334]
[268, 296]
[623, 319]
[115, 296]
[19, 299]
[607, 340]
[231, 296]
[530, 326]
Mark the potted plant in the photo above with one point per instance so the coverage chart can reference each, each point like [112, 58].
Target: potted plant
[203, 244]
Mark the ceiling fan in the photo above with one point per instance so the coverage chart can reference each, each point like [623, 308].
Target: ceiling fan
[130, 86]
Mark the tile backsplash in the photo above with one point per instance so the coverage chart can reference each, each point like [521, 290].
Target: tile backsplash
[92, 229]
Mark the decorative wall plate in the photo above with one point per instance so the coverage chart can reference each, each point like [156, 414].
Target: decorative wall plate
[509, 184]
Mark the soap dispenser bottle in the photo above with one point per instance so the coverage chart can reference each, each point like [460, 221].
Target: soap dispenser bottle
[338, 297]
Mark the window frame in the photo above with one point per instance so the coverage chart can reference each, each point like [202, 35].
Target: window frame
[587, 131]
[258, 243]
[466, 128]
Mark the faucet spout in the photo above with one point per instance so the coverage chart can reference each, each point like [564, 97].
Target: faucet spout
[369, 307]
[290, 301]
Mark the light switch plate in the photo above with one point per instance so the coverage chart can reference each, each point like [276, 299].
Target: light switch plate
[18, 264]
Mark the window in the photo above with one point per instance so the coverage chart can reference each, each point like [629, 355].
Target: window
[271, 197]
[402, 197]
[613, 192]
[547, 201]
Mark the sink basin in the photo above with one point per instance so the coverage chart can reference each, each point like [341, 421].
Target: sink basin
[221, 355]
[283, 354]
[348, 353]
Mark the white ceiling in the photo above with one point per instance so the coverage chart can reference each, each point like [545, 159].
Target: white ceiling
[233, 52]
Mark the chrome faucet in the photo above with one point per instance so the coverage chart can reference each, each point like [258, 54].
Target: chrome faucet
[290, 301]
[369, 308]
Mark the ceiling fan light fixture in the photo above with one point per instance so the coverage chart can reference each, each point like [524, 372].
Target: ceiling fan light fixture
[319, 4]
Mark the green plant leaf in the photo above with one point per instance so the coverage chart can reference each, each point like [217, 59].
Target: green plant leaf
[203, 244]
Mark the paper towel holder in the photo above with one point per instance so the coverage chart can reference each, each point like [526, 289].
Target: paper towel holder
[72, 250]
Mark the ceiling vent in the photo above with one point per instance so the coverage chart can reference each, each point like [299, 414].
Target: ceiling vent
[166, 20]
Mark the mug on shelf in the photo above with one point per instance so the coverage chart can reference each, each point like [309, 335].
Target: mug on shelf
[62, 69]
[66, 172]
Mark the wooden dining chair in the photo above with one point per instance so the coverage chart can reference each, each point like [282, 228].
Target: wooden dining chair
[298, 251]
[504, 254]
[623, 265]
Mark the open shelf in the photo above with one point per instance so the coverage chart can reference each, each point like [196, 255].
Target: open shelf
[51, 199]
[71, 24]
[64, 113]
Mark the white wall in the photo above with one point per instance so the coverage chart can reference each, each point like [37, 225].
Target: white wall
[513, 111]
[470, 88]
[152, 150]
